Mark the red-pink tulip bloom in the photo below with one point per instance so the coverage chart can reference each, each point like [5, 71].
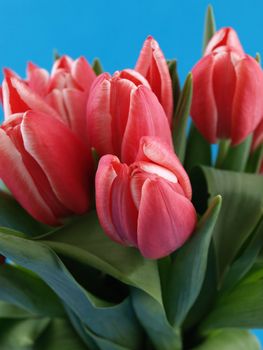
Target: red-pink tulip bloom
[45, 166]
[62, 94]
[153, 66]
[147, 204]
[227, 97]
[121, 109]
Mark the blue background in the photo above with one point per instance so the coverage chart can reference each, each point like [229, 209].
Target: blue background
[115, 30]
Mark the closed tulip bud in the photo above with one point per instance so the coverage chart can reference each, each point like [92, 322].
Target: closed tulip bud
[45, 166]
[152, 65]
[227, 92]
[63, 94]
[121, 109]
[147, 204]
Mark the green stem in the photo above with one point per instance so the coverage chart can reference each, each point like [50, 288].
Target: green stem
[223, 147]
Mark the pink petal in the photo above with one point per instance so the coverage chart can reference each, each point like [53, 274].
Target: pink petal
[166, 220]
[154, 150]
[62, 157]
[16, 177]
[83, 73]
[99, 119]
[152, 65]
[203, 108]
[224, 37]
[105, 176]
[146, 118]
[56, 100]
[38, 79]
[248, 102]
[134, 76]
[224, 83]
[123, 211]
[64, 62]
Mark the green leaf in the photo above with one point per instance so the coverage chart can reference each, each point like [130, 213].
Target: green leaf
[237, 156]
[85, 241]
[210, 26]
[59, 334]
[230, 339]
[240, 307]
[114, 322]
[254, 161]
[12, 215]
[172, 65]
[8, 310]
[97, 67]
[27, 291]
[181, 116]
[21, 334]
[246, 260]
[198, 150]
[152, 316]
[189, 266]
[241, 210]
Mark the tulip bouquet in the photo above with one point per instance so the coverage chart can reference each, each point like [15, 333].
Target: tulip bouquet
[122, 227]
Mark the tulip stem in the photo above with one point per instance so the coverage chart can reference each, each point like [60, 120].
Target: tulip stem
[223, 148]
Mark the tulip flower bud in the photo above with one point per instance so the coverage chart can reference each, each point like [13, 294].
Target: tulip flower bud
[152, 65]
[227, 91]
[45, 166]
[63, 94]
[121, 109]
[147, 204]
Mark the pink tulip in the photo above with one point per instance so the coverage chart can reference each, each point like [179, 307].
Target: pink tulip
[63, 94]
[152, 65]
[121, 109]
[227, 97]
[147, 204]
[45, 166]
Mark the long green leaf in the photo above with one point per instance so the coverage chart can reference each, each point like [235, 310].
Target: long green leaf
[230, 339]
[240, 307]
[241, 210]
[85, 241]
[115, 322]
[181, 117]
[210, 26]
[189, 266]
[152, 316]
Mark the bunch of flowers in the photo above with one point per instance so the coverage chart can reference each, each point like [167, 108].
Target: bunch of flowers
[119, 229]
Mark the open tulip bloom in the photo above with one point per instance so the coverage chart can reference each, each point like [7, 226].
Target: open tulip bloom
[119, 230]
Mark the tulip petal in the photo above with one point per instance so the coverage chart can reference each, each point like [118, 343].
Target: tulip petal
[30, 100]
[152, 65]
[105, 176]
[224, 83]
[61, 155]
[75, 102]
[134, 76]
[56, 101]
[124, 212]
[247, 104]
[83, 73]
[203, 108]
[166, 219]
[146, 118]
[16, 177]
[154, 150]
[99, 119]
[38, 79]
